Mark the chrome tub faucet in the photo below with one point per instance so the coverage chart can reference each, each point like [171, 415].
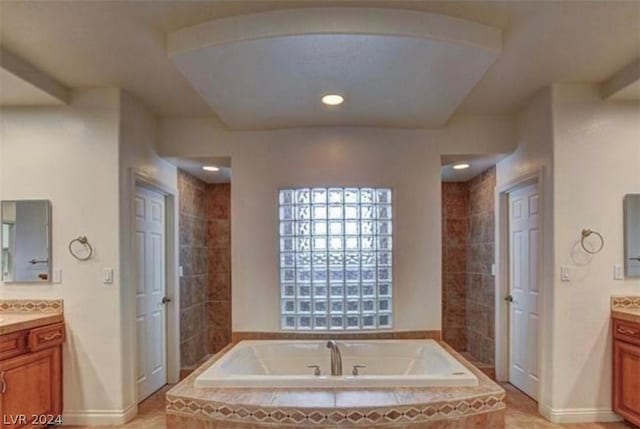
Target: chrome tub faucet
[336, 358]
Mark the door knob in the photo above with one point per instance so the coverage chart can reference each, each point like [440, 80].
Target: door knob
[165, 300]
[509, 298]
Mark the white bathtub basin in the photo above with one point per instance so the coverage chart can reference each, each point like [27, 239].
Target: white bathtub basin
[389, 363]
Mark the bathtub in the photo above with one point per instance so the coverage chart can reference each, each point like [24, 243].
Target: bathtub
[389, 363]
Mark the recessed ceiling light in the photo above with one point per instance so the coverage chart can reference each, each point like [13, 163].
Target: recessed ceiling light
[461, 166]
[210, 168]
[333, 99]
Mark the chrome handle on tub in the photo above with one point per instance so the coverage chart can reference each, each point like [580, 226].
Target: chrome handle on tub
[3, 384]
[355, 369]
[317, 371]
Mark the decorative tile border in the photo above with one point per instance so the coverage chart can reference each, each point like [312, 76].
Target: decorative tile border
[368, 417]
[625, 302]
[31, 306]
[237, 336]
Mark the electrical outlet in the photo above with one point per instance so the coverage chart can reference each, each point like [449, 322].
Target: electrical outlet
[564, 273]
[618, 272]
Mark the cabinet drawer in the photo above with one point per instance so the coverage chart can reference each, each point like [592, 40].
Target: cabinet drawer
[13, 344]
[626, 331]
[46, 336]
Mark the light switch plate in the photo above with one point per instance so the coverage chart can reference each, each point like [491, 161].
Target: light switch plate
[108, 276]
[57, 275]
[180, 271]
[565, 273]
[493, 270]
[618, 272]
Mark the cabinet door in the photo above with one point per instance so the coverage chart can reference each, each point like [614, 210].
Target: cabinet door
[626, 381]
[30, 385]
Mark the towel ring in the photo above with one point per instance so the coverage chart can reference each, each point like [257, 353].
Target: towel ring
[87, 246]
[585, 234]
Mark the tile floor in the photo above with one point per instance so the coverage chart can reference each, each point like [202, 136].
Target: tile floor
[522, 413]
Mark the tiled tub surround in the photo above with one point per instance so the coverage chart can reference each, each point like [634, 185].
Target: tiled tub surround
[455, 222]
[218, 210]
[468, 252]
[17, 315]
[434, 407]
[194, 280]
[480, 282]
[379, 335]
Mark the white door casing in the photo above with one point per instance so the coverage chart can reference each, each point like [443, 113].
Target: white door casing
[150, 283]
[524, 314]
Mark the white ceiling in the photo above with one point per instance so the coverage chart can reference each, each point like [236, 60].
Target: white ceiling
[394, 68]
[624, 85]
[21, 84]
[116, 43]
[477, 165]
[15, 91]
[194, 166]
[630, 92]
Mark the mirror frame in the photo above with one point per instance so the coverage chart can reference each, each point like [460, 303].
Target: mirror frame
[49, 247]
[625, 202]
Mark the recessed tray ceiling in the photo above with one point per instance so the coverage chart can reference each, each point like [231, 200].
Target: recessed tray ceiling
[394, 68]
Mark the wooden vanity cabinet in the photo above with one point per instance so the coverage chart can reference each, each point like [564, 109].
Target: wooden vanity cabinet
[31, 377]
[626, 370]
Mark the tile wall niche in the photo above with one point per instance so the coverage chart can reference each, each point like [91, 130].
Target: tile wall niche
[218, 197]
[468, 252]
[195, 278]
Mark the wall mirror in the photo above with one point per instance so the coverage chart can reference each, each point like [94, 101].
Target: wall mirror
[632, 235]
[26, 241]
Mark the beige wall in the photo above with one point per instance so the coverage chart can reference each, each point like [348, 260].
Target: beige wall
[589, 152]
[596, 162]
[75, 155]
[534, 153]
[406, 160]
[410, 167]
[138, 135]
[69, 155]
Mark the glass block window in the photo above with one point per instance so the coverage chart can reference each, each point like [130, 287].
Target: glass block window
[336, 258]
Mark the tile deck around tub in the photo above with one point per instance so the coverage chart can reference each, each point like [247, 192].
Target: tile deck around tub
[363, 407]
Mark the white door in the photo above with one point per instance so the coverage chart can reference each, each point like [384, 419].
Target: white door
[150, 291]
[524, 247]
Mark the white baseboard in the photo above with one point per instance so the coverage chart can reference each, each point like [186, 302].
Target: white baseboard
[99, 417]
[578, 415]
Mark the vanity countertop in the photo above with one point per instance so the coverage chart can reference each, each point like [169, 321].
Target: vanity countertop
[13, 322]
[19, 314]
[626, 308]
[630, 315]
